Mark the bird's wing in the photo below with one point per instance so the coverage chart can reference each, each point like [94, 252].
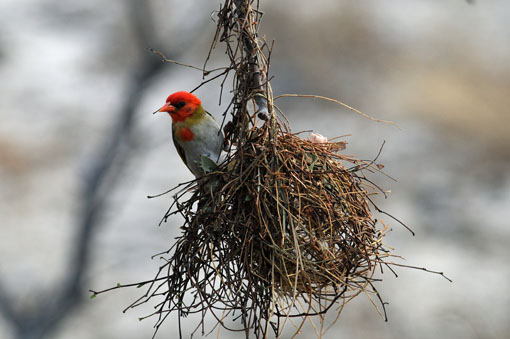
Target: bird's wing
[179, 149]
[224, 146]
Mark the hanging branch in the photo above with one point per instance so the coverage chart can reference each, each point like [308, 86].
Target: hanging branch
[257, 63]
[237, 28]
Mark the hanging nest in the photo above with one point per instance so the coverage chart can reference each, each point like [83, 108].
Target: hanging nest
[282, 229]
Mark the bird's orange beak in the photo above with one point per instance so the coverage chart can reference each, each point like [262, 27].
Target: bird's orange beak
[167, 108]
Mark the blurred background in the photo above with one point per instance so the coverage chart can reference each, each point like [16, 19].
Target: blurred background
[80, 151]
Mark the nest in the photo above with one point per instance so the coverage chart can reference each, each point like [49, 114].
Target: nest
[283, 229]
[280, 231]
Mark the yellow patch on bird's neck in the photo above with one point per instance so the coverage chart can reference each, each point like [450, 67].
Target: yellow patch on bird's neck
[197, 115]
[189, 114]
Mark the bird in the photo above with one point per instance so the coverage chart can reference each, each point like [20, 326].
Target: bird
[195, 132]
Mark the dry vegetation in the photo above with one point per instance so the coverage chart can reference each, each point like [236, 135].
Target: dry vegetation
[283, 228]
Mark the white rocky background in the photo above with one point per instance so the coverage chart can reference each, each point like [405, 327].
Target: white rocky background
[440, 69]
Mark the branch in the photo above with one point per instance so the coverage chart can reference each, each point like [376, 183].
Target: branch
[6, 308]
[249, 33]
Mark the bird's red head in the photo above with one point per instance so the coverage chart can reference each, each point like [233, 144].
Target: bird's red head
[181, 105]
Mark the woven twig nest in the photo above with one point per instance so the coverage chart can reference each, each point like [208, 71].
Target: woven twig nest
[282, 229]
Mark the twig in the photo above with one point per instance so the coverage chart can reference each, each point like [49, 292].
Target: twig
[165, 59]
[337, 102]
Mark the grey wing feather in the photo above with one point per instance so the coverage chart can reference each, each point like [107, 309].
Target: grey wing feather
[179, 149]
[224, 146]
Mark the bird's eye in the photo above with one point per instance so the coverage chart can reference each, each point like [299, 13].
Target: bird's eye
[180, 104]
